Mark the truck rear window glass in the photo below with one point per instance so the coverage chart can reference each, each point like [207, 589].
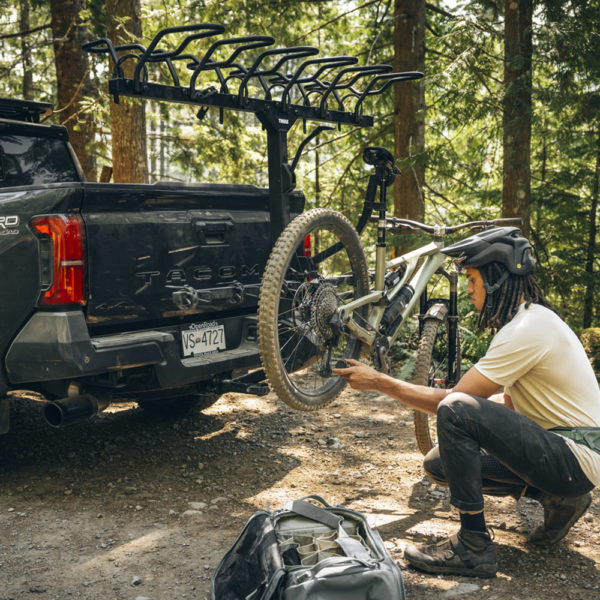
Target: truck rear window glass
[28, 160]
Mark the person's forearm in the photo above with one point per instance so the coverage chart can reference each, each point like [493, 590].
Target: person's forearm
[419, 397]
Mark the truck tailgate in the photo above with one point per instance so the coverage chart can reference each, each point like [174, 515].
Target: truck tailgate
[145, 242]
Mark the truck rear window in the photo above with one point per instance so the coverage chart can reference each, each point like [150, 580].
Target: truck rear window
[29, 160]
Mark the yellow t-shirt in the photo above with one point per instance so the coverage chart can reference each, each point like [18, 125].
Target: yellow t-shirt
[545, 370]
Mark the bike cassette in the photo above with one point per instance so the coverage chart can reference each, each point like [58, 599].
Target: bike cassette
[325, 303]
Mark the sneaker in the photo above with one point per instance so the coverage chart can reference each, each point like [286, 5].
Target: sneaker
[560, 514]
[468, 553]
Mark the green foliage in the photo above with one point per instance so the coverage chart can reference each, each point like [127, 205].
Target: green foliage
[591, 342]
[464, 90]
[403, 353]
[40, 44]
[464, 119]
[565, 147]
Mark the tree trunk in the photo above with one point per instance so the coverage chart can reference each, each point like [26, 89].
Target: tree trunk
[409, 104]
[516, 189]
[128, 120]
[73, 80]
[25, 25]
[588, 305]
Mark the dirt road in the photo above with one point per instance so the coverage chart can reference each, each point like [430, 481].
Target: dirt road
[136, 506]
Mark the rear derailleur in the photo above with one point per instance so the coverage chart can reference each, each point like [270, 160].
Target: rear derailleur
[380, 354]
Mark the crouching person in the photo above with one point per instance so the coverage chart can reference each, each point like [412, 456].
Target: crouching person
[539, 437]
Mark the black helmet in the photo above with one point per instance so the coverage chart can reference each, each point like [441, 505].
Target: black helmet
[504, 245]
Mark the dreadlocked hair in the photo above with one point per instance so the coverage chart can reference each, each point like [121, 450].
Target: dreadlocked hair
[501, 305]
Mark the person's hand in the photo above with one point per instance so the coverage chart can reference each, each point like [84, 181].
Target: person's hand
[359, 375]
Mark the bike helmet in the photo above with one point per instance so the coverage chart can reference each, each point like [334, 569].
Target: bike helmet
[503, 245]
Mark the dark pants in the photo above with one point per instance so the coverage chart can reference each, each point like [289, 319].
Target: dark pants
[485, 447]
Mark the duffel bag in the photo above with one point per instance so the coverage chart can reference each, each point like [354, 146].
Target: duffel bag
[306, 551]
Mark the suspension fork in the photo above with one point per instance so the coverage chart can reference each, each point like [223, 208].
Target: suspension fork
[453, 374]
[422, 310]
[453, 349]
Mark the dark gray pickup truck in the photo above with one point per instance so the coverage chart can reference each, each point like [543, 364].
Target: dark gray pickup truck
[119, 290]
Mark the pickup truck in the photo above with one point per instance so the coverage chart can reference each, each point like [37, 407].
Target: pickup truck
[150, 292]
[127, 291]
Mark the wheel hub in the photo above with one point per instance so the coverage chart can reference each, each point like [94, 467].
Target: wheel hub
[301, 305]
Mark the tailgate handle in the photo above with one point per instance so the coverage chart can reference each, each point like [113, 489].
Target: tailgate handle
[213, 231]
[213, 227]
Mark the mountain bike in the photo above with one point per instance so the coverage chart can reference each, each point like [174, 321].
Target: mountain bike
[320, 304]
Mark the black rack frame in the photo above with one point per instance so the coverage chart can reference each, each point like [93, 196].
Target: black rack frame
[333, 81]
[24, 110]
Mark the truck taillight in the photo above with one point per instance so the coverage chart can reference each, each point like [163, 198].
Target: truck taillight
[307, 246]
[62, 253]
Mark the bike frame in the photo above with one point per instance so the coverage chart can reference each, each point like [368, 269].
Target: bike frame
[420, 266]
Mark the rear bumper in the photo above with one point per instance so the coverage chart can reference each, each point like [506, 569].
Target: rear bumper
[57, 345]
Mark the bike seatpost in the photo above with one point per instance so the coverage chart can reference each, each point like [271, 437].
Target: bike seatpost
[380, 256]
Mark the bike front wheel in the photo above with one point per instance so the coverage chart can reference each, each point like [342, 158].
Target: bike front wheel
[316, 265]
[431, 369]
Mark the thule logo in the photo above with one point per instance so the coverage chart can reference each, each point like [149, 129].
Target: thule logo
[283, 121]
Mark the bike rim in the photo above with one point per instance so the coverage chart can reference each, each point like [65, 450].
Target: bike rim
[315, 283]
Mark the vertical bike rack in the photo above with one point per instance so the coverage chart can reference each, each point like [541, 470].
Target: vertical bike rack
[287, 85]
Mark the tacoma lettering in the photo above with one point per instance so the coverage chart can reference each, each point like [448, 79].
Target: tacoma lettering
[202, 273]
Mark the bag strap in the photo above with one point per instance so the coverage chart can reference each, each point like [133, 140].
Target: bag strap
[315, 513]
[319, 499]
[272, 588]
[351, 547]
[336, 561]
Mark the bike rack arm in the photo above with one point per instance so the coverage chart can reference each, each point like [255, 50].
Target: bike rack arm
[326, 62]
[104, 45]
[335, 85]
[288, 54]
[313, 134]
[151, 55]
[389, 78]
[360, 225]
[247, 43]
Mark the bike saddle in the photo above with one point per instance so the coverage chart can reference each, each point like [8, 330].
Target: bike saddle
[380, 157]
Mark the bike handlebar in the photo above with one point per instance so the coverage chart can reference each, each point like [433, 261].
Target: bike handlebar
[442, 230]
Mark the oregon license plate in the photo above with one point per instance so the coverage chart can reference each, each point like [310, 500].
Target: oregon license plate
[203, 338]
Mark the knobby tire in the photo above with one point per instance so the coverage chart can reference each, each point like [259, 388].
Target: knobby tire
[425, 423]
[287, 385]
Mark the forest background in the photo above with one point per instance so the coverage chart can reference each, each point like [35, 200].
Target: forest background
[505, 122]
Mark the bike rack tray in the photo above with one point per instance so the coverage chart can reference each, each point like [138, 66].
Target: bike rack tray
[279, 85]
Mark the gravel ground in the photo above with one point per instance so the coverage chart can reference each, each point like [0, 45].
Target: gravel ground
[139, 506]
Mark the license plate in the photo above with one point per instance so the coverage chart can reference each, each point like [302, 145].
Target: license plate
[203, 338]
